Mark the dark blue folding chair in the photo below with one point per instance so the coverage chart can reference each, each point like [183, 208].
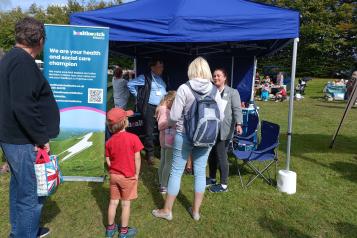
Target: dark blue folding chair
[266, 153]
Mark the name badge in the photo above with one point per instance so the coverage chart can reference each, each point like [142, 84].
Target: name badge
[158, 93]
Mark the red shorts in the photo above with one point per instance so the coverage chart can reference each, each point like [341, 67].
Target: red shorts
[122, 188]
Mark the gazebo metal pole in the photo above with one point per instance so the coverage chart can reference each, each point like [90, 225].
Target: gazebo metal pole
[232, 72]
[136, 75]
[291, 103]
[251, 102]
[135, 66]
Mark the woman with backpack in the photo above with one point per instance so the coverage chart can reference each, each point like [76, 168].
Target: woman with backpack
[198, 96]
[233, 119]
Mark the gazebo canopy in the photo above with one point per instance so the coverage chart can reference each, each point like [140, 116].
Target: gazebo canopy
[194, 27]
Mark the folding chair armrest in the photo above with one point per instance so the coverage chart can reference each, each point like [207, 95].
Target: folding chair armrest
[237, 137]
[273, 146]
[248, 137]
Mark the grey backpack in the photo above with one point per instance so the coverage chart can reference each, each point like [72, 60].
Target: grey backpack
[202, 121]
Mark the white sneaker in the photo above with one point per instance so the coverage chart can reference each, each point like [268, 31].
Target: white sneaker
[42, 232]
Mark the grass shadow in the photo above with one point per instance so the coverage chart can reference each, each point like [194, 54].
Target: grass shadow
[233, 167]
[245, 170]
[50, 210]
[149, 176]
[181, 198]
[336, 106]
[346, 229]
[322, 98]
[347, 170]
[279, 229]
[317, 143]
[102, 196]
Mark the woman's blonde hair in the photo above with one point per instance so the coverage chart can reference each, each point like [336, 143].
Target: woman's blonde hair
[199, 68]
[167, 100]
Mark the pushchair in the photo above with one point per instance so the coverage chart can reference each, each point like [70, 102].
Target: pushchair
[300, 88]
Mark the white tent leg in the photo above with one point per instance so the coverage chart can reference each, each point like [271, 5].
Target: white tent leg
[251, 102]
[287, 179]
[291, 102]
[232, 72]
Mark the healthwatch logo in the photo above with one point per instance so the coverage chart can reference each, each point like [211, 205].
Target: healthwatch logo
[94, 35]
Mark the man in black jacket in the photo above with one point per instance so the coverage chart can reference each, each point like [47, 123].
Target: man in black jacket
[149, 89]
[29, 118]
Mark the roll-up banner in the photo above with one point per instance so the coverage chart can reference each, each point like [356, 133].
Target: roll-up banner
[76, 64]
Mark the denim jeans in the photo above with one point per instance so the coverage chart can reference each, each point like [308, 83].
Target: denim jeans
[181, 149]
[25, 205]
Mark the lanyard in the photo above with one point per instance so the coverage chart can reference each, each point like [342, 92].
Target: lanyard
[154, 80]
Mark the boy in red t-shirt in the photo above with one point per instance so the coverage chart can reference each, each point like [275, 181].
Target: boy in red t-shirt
[122, 153]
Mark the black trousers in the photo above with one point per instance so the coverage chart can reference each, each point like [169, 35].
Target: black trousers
[149, 124]
[218, 158]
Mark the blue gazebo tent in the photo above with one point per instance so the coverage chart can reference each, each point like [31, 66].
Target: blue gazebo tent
[193, 21]
[229, 33]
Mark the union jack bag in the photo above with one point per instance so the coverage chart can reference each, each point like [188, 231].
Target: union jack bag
[48, 174]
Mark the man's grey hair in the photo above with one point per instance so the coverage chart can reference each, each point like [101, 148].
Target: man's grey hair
[29, 32]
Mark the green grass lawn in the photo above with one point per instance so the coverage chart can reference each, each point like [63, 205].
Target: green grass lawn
[324, 205]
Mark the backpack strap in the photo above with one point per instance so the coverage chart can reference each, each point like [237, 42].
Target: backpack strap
[195, 94]
[213, 92]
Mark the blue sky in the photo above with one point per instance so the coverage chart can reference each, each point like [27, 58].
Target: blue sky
[24, 4]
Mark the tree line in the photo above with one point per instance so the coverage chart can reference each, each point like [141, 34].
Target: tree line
[328, 32]
[328, 37]
[53, 14]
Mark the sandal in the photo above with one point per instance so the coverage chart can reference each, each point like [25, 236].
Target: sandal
[157, 213]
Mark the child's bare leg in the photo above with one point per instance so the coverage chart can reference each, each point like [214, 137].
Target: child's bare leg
[125, 213]
[113, 204]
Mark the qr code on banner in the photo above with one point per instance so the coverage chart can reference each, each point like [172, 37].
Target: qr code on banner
[95, 95]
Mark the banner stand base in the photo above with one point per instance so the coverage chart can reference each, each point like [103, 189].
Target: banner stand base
[83, 179]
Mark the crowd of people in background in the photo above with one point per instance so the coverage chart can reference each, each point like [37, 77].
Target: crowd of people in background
[267, 88]
[340, 89]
